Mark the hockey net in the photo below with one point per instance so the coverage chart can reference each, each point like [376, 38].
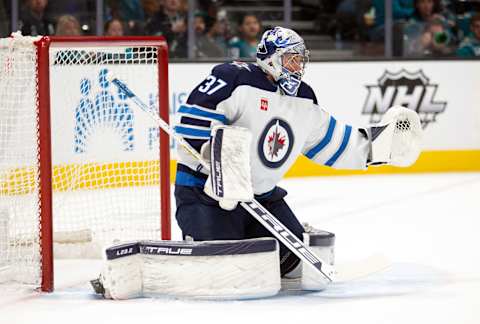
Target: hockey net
[109, 175]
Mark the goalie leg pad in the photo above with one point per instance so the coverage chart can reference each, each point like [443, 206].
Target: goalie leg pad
[202, 270]
[322, 243]
[121, 277]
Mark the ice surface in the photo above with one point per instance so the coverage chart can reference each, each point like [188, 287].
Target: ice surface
[426, 224]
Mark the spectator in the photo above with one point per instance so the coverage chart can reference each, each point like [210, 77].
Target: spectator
[349, 18]
[447, 12]
[126, 10]
[130, 11]
[246, 45]
[68, 25]
[34, 21]
[199, 24]
[213, 42]
[434, 41]
[375, 19]
[171, 22]
[423, 26]
[210, 8]
[150, 9]
[470, 46]
[427, 10]
[114, 27]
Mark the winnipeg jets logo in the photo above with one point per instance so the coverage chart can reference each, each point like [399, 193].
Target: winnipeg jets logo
[275, 143]
[411, 90]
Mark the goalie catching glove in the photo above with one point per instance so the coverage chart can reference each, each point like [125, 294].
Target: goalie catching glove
[229, 180]
[396, 139]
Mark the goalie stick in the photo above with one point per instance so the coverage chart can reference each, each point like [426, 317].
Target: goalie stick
[347, 272]
[269, 221]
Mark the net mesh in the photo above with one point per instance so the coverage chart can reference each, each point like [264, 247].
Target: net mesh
[19, 203]
[105, 152]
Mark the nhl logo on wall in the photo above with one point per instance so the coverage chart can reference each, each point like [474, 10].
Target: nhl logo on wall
[411, 90]
[275, 143]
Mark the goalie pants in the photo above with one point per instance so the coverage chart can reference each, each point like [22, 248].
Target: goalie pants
[201, 218]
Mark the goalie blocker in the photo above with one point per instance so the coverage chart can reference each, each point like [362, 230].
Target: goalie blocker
[230, 180]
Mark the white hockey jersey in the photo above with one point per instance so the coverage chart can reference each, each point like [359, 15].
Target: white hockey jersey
[283, 127]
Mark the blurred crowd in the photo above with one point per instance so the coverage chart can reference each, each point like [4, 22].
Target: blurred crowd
[423, 28]
[216, 36]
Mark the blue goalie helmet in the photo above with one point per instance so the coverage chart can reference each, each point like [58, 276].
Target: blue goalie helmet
[282, 54]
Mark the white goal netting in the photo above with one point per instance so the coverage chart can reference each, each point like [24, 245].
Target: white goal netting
[105, 151]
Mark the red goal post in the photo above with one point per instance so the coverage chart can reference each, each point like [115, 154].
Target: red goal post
[102, 167]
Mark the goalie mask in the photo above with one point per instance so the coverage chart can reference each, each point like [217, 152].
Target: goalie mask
[282, 54]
